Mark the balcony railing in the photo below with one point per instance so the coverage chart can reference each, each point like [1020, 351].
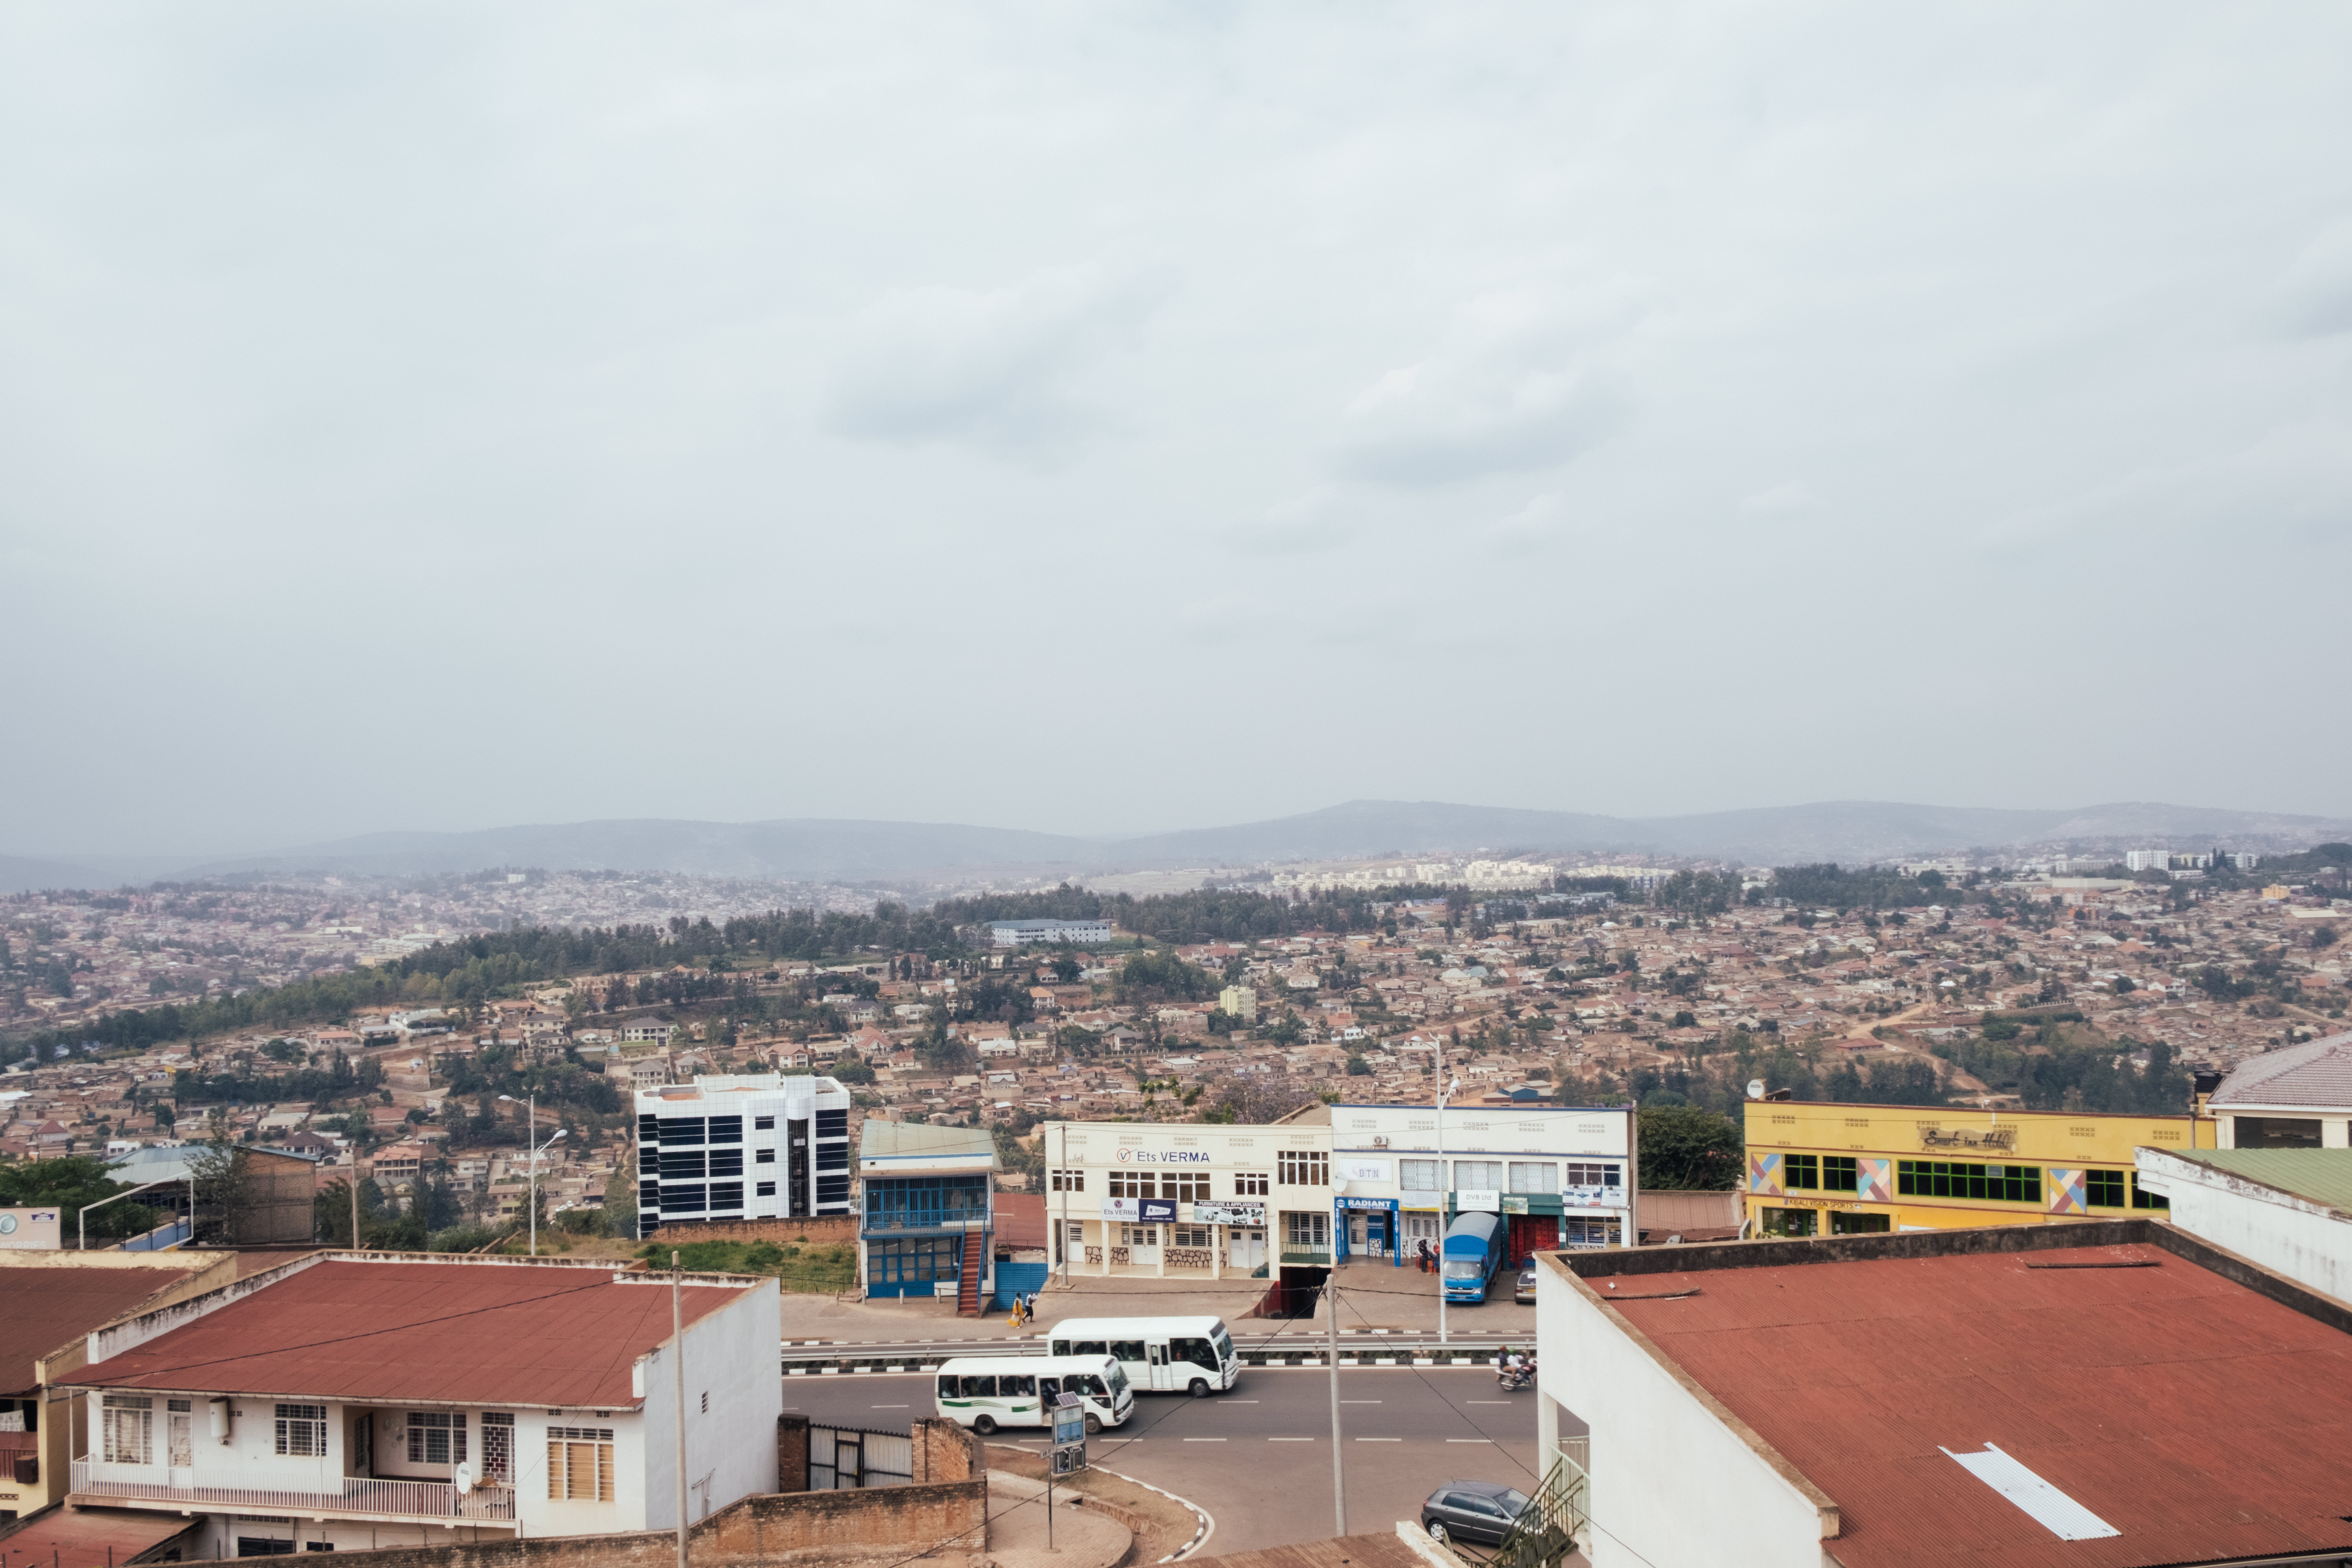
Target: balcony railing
[360, 1494]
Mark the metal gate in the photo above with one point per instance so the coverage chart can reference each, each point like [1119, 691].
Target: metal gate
[844, 1458]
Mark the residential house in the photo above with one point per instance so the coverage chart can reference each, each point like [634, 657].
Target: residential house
[926, 1228]
[2299, 1097]
[468, 1399]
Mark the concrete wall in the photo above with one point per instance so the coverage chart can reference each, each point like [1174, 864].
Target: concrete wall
[2307, 1242]
[758, 1529]
[727, 1452]
[1677, 1480]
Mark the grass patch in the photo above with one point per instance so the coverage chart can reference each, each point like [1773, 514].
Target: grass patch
[798, 1266]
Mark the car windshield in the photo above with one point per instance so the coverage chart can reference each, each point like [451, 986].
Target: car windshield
[1118, 1379]
[1467, 1269]
[1513, 1502]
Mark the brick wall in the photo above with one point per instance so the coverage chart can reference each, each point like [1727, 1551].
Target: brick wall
[820, 1229]
[791, 1453]
[949, 1515]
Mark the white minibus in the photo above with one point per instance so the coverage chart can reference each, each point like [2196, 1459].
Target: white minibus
[985, 1392]
[1194, 1355]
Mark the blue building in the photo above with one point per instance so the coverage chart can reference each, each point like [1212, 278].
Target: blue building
[930, 1218]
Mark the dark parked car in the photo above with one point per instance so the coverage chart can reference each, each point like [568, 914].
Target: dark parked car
[1526, 1291]
[1472, 1511]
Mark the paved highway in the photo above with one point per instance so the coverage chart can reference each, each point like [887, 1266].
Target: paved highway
[1259, 1458]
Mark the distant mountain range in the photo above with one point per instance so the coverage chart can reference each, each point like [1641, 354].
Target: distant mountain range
[827, 850]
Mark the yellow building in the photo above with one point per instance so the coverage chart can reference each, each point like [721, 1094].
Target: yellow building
[1822, 1169]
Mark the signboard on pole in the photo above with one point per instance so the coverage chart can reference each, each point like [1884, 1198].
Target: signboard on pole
[1069, 1435]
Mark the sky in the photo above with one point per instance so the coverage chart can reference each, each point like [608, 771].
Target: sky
[1117, 419]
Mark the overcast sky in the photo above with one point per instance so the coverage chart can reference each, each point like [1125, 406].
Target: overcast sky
[1102, 417]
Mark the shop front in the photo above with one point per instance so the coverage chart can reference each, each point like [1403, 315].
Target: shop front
[1367, 1228]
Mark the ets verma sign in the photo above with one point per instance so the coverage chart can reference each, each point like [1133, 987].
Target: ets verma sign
[1163, 1157]
[1140, 1211]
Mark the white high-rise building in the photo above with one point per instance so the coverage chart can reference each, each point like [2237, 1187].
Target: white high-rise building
[757, 1146]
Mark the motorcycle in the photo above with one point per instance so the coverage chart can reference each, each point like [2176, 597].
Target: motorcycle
[1511, 1379]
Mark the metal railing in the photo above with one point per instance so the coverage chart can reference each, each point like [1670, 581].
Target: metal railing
[1548, 1527]
[360, 1494]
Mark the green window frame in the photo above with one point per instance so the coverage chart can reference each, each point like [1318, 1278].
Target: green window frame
[1951, 1179]
[2141, 1200]
[2104, 1190]
[1838, 1174]
[1800, 1171]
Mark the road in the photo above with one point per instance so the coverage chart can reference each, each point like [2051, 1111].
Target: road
[1258, 1458]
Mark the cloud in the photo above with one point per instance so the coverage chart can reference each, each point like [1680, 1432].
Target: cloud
[1306, 524]
[1018, 371]
[2314, 298]
[1531, 528]
[1506, 395]
[1781, 501]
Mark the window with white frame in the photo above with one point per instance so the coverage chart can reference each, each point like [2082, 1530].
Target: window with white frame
[580, 1464]
[1139, 1236]
[1588, 1175]
[1307, 1232]
[1131, 1185]
[1534, 1176]
[129, 1429]
[1249, 1184]
[1478, 1175]
[1189, 1235]
[302, 1430]
[1188, 1187]
[497, 1447]
[1420, 1175]
[1069, 1181]
[1302, 1168]
[436, 1438]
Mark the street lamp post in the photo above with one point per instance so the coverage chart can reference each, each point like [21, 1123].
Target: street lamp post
[529, 1140]
[1445, 1186]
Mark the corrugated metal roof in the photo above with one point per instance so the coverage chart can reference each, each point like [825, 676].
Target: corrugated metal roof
[2318, 1073]
[2322, 1176]
[2202, 1420]
[42, 1308]
[480, 1333]
[883, 1139]
[89, 1537]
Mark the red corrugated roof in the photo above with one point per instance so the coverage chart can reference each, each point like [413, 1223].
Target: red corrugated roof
[44, 1307]
[89, 1537]
[1021, 1219]
[2204, 1421]
[478, 1332]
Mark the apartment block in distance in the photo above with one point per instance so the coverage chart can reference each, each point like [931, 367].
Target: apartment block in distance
[757, 1146]
[1822, 1169]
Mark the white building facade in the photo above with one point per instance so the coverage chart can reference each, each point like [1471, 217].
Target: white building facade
[1563, 1176]
[757, 1146]
[1187, 1200]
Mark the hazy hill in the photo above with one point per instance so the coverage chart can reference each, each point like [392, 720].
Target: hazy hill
[845, 850]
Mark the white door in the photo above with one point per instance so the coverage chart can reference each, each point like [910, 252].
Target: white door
[1249, 1248]
[179, 1445]
[1356, 1233]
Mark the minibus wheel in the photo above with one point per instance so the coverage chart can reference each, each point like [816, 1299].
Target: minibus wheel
[983, 1425]
[1199, 1388]
[1094, 1423]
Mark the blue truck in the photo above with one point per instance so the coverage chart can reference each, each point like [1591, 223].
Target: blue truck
[1475, 1244]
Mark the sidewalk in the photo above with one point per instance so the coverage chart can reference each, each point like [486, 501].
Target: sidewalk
[1372, 1295]
[1083, 1537]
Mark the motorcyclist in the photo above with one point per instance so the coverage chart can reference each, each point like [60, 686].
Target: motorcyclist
[1508, 1369]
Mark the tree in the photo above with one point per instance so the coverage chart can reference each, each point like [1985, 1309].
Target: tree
[72, 1183]
[851, 1067]
[1358, 1068]
[1686, 1149]
[219, 1170]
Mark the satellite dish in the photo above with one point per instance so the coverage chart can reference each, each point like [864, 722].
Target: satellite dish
[462, 1478]
[1755, 1089]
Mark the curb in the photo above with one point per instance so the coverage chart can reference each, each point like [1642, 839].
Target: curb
[1208, 1526]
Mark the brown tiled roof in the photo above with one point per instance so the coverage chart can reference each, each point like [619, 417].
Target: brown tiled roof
[89, 1537]
[481, 1331]
[2201, 1420]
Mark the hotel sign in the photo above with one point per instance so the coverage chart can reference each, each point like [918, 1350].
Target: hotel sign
[1977, 1140]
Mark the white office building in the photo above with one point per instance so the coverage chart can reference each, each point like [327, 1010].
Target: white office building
[756, 1146]
[1563, 1176]
[1025, 934]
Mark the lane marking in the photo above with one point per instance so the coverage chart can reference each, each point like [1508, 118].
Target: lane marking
[1290, 1439]
[1486, 1402]
[1204, 1439]
[1360, 1402]
[1469, 1439]
[1380, 1439]
[887, 1407]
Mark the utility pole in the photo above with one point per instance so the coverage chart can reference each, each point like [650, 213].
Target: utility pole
[677, 1355]
[1339, 1467]
[354, 1185]
[1445, 1186]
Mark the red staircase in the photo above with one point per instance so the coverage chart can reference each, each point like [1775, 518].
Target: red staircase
[968, 1286]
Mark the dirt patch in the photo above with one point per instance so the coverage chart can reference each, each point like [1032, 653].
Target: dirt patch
[1161, 1524]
